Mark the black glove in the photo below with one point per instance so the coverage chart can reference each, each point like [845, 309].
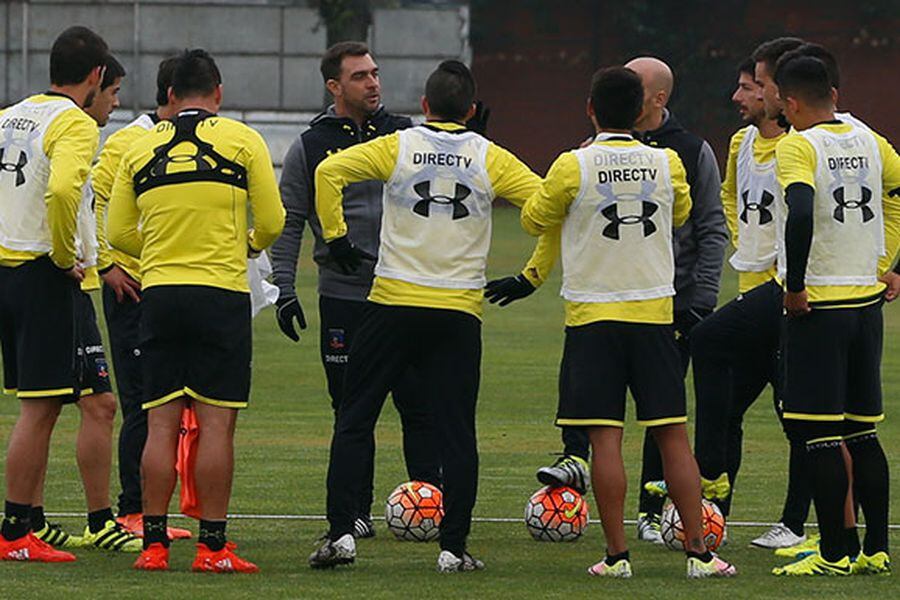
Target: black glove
[508, 289]
[686, 320]
[288, 309]
[478, 122]
[346, 256]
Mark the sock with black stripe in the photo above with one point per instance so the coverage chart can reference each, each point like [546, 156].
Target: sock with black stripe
[155, 530]
[212, 533]
[38, 520]
[871, 487]
[830, 483]
[97, 519]
[16, 521]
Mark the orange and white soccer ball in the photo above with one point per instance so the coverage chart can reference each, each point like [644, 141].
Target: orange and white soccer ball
[414, 510]
[557, 514]
[713, 526]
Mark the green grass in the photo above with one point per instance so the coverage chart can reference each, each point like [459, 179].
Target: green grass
[282, 449]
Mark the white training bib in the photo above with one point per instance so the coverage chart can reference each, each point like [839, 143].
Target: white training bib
[757, 193]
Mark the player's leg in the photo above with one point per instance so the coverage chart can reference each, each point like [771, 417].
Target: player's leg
[608, 481]
[571, 468]
[421, 450]
[649, 504]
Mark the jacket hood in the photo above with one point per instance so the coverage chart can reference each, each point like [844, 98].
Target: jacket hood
[330, 117]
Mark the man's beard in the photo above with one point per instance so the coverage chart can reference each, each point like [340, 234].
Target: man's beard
[89, 99]
[782, 121]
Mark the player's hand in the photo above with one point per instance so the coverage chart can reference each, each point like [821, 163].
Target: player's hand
[347, 256]
[288, 309]
[123, 285]
[478, 122]
[508, 289]
[893, 285]
[76, 273]
[686, 320]
[796, 303]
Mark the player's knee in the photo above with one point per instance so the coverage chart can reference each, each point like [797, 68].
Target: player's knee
[804, 432]
[100, 408]
[40, 413]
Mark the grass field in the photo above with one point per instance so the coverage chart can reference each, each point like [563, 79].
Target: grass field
[282, 449]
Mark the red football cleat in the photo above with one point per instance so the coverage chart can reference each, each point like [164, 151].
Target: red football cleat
[134, 523]
[30, 548]
[223, 561]
[153, 558]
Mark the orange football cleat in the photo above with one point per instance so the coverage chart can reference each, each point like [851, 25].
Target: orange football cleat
[153, 558]
[134, 523]
[30, 548]
[223, 561]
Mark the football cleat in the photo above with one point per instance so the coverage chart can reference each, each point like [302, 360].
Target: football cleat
[332, 553]
[450, 563]
[877, 564]
[815, 565]
[779, 536]
[221, 561]
[54, 535]
[568, 470]
[657, 488]
[154, 558]
[363, 528]
[30, 548]
[134, 524]
[801, 550]
[112, 537]
[648, 528]
[715, 567]
[716, 489]
[620, 569]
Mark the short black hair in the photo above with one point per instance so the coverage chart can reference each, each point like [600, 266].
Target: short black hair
[195, 74]
[617, 96]
[114, 70]
[164, 79]
[748, 66]
[816, 51]
[450, 90]
[804, 77]
[334, 56]
[769, 52]
[75, 53]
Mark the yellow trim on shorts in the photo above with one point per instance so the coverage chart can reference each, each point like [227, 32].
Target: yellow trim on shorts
[864, 418]
[10, 391]
[213, 401]
[663, 421]
[86, 392]
[591, 422]
[860, 434]
[163, 400]
[830, 438]
[45, 393]
[812, 417]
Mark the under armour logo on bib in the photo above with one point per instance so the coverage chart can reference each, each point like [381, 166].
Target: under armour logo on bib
[15, 167]
[861, 203]
[197, 159]
[762, 207]
[423, 206]
[609, 208]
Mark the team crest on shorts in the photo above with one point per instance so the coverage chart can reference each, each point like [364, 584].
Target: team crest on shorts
[336, 339]
[102, 368]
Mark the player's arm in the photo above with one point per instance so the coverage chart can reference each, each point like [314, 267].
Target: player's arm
[728, 194]
[265, 200]
[124, 215]
[681, 209]
[71, 143]
[890, 203]
[548, 206]
[103, 175]
[796, 166]
[709, 230]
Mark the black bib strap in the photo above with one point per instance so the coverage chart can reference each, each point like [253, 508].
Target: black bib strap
[209, 165]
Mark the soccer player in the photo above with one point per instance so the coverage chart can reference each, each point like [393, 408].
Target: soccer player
[618, 202]
[357, 115]
[841, 231]
[180, 204]
[48, 143]
[122, 309]
[425, 305]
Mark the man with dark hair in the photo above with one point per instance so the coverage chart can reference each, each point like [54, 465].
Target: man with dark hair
[425, 305]
[122, 310]
[765, 56]
[357, 115]
[841, 181]
[619, 332]
[48, 144]
[189, 226]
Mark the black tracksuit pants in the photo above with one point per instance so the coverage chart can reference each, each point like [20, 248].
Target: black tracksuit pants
[444, 348]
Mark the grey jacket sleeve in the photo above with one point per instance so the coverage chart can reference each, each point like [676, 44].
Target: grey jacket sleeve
[710, 231]
[295, 194]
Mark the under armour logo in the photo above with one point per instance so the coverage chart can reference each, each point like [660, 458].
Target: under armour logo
[423, 206]
[609, 208]
[762, 207]
[197, 159]
[15, 167]
[862, 204]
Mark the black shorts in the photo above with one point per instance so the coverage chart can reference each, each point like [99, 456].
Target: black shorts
[832, 365]
[37, 331]
[601, 360]
[196, 341]
[93, 370]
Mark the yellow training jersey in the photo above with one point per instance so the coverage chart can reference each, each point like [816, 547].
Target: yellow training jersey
[797, 162]
[412, 270]
[103, 176]
[48, 144]
[763, 152]
[181, 198]
[550, 206]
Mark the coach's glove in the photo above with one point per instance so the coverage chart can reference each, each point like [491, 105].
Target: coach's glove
[478, 122]
[288, 309]
[686, 320]
[508, 289]
[347, 256]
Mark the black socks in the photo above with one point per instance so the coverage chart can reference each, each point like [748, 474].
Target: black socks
[212, 533]
[612, 559]
[155, 530]
[38, 521]
[17, 522]
[97, 519]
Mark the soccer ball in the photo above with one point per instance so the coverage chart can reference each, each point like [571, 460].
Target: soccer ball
[673, 532]
[556, 514]
[414, 511]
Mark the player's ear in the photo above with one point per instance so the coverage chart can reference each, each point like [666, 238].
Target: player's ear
[424, 103]
[170, 94]
[218, 95]
[834, 96]
[471, 113]
[333, 86]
